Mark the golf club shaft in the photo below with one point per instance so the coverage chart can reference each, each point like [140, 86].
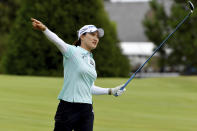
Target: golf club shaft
[156, 50]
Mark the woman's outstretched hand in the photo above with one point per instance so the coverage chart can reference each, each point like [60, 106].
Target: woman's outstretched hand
[38, 25]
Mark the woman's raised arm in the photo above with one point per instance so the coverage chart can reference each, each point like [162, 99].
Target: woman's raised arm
[61, 45]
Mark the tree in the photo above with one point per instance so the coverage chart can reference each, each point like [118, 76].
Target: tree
[155, 28]
[184, 41]
[30, 53]
[7, 14]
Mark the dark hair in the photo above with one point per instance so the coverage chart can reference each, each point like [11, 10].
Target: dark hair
[78, 42]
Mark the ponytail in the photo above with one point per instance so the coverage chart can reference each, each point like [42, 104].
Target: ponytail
[77, 42]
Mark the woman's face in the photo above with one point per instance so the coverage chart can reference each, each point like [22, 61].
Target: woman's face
[89, 41]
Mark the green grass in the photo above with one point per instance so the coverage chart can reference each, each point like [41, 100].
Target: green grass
[151, 104]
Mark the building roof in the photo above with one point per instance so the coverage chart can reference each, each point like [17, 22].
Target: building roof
[129, 16]
[130, 0]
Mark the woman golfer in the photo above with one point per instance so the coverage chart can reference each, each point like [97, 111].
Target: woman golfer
[75, 110]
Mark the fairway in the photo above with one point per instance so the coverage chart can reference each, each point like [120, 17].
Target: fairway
[151, 104]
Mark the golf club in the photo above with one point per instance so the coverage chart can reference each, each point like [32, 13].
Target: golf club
[191, 11]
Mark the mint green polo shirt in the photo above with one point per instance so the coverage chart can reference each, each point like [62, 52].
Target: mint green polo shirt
[79, 75]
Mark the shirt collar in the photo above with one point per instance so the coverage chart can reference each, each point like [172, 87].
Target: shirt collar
[84, 51]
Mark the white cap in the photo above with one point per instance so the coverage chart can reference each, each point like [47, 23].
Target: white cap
[90, 28]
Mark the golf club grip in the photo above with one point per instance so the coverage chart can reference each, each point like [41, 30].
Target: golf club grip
[122, 88]
[163, 42]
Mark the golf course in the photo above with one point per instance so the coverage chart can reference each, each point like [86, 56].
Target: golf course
[29, 103]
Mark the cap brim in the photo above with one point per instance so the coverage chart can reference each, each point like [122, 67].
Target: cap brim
[101, 32]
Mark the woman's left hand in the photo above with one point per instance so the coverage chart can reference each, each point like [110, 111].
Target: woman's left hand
[116, 91]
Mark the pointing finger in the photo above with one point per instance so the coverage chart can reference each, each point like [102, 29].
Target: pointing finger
[36, 21]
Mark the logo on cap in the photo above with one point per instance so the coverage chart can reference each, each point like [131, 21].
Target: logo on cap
[90, 28]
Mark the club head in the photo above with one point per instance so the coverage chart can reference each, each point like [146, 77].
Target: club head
[191, 6]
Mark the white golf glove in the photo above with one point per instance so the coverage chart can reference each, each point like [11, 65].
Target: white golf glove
[116, 91]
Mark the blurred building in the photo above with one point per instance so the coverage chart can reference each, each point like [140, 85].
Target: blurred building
[128, 15]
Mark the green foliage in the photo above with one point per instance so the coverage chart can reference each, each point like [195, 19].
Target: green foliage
[30, 53]
[183, 43]
[156, 24]
[7, 14]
